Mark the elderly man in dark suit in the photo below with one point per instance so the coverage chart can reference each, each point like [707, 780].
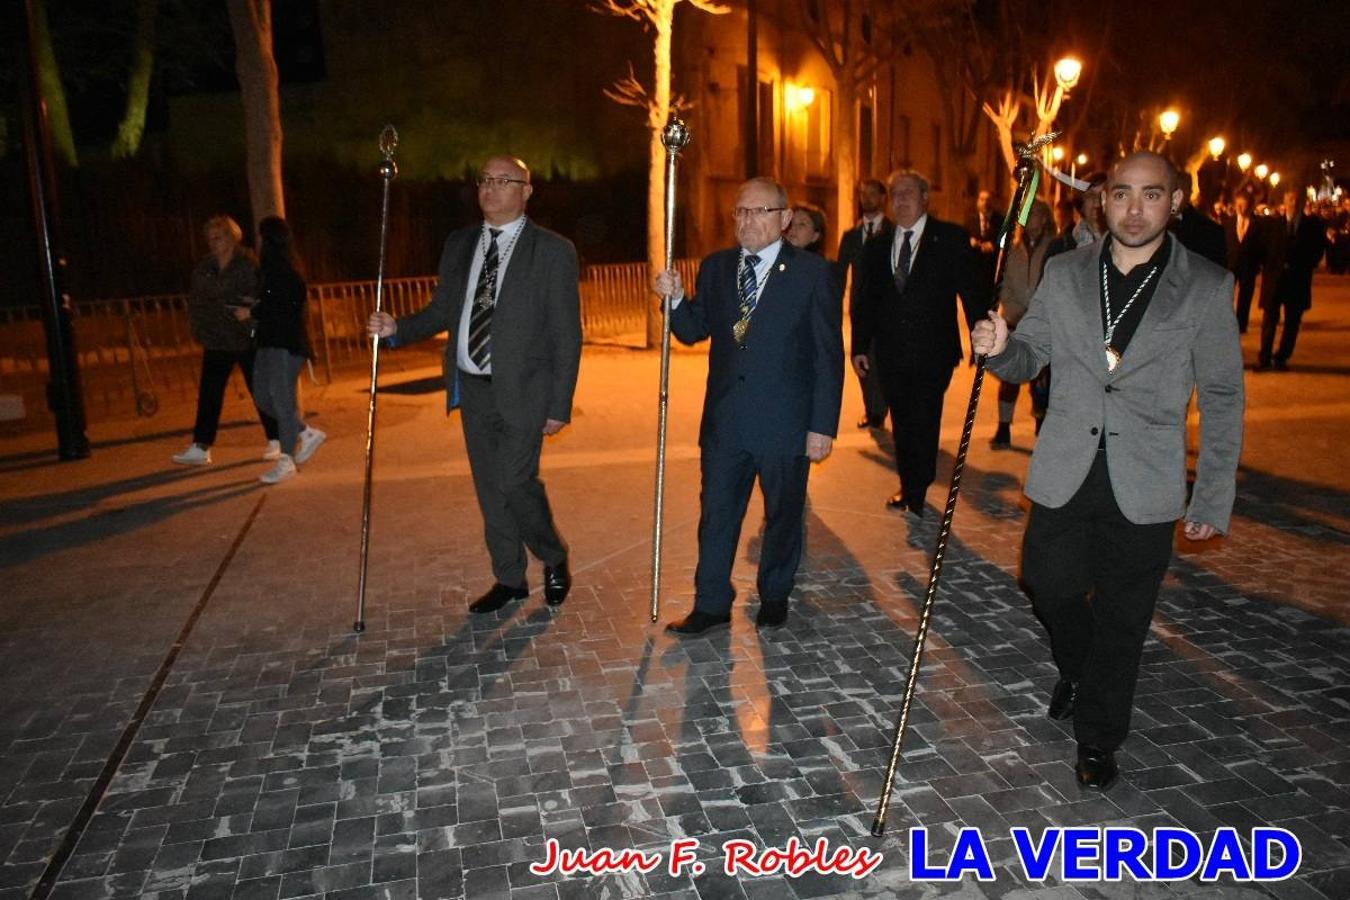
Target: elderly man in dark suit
[1133, 328]
[507, 294]
[771, 408]
[907, 309]
[1294, 243]
[872, 225]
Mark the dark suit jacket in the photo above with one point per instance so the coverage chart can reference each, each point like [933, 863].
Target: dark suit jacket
[536, 327]
[1290, 260]
[919, 326]
[1243, 258]
[764, 395]
[850, 252]
[1201, 234]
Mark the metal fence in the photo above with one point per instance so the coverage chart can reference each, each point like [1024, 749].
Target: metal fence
[135, 350]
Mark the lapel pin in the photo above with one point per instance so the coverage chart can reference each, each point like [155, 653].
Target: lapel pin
[782, 267]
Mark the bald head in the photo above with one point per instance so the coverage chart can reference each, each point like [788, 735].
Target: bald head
[503, 189]
[1146, 160]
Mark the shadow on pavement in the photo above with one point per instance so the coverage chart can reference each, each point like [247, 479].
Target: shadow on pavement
[100, 525]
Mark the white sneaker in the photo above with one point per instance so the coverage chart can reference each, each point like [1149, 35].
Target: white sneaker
[284, 469]
[194, 455]
[273, 451]
[310, 440]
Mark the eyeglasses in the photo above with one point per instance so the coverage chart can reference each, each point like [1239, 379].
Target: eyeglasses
[497, 181]
[754, 212]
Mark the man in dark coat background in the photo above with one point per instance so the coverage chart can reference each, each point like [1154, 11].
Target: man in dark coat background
[907, 312]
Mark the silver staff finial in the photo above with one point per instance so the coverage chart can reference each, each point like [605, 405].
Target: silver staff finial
[388, 144]
[1032, 147]
[675, 136]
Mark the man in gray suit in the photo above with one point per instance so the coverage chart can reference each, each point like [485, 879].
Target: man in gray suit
[1133, 326]
[507, 294]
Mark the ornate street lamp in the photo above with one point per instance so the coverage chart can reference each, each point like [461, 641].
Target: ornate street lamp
[1168, 122]
[1262, 170]
[1244, 162]
[1067, 72]
[1216, 145]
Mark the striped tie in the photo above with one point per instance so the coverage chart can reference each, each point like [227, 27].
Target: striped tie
[748, 285]
[480, 320]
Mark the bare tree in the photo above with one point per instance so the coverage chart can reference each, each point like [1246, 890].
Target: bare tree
[849, 38]
[659, 15]
[132, 128]
[53, 92]
[251, 21]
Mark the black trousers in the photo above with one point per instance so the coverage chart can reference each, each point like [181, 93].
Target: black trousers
[1246, 287]
[1093, 577]
[874, 398]
[915, 395]
[505, 465]
[1270, 320]
[216, 368]
[728, 479]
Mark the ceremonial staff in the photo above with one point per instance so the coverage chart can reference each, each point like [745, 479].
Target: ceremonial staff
[388, 171]
[1027, 177]
[674, 137]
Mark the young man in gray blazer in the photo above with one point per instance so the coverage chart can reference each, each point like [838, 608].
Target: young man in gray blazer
[1132, 326]
[507, 294]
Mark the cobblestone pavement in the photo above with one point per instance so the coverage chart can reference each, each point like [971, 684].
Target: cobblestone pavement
[435, 754]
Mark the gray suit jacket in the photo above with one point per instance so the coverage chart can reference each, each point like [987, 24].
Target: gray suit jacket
[1187, 342]
[536, 327]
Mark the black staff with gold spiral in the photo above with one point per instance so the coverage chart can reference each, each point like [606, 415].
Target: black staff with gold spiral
[1027, 178]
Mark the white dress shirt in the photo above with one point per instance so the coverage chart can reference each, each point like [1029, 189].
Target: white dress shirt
[767, 257]
[506, 245]
[916, 232]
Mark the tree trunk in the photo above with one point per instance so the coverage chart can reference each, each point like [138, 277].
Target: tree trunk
[251, 21]
[845, 153]
[132, 129]
[663, 21]
[49, 82]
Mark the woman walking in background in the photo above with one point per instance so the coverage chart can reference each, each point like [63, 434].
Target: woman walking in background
[223, 282]
[282, 345]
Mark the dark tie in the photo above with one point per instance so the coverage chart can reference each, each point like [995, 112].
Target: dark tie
[480, 320]
[867, 231]
[748, 285]
[902, 263]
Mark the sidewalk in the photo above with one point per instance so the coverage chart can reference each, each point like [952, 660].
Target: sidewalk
[434, 754]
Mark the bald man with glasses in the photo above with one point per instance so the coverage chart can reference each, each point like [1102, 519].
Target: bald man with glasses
[771, 408]
[507, 294]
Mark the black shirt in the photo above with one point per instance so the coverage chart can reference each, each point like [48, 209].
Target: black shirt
[1122, 289]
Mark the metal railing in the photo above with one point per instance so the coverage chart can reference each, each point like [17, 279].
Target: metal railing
[133, 349]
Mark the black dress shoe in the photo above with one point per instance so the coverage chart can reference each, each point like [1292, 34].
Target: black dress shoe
[1261, 366]
[771, 614]
[698, 622]
[498, 596]
[1061, 700]
[909, 504]
[865, 421]
[557, 582]
[1002, 439]
[1096, 767]
[1281, 366]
